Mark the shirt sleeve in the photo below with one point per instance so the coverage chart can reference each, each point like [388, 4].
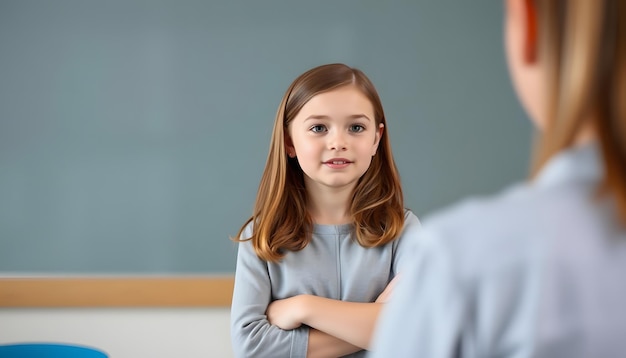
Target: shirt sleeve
[251, 333]
[424, 317]
[406, 243]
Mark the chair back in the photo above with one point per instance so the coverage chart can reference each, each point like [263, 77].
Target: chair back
[49, 350]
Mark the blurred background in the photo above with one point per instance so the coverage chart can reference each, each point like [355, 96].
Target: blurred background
[133, 133]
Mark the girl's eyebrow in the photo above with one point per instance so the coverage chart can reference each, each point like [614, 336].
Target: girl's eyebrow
[321, 116]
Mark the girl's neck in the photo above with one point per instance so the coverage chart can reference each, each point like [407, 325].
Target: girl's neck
[329, 207]
[329, 217]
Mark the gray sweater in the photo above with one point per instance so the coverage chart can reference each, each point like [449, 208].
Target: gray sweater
[538, 271]
[332, 265]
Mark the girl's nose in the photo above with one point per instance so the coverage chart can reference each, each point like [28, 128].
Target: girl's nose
[337, 141]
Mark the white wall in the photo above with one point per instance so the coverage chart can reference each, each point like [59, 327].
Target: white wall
[125, 332]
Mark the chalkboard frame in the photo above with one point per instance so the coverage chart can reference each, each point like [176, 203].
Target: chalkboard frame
[112, 291]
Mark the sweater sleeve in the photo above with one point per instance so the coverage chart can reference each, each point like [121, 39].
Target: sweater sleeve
[405, 245]
[251, 333]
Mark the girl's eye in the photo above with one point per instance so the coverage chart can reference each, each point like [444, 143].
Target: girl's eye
[357, 128]
[318, 128]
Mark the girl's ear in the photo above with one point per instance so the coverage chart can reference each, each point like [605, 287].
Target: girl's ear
[289, 148]
[522, 14]
[531, 43]
[379, 134]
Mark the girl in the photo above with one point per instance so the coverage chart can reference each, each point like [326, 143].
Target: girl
[329, 230]
[537, 271]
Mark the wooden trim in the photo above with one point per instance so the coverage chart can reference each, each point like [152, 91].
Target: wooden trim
[116, 291]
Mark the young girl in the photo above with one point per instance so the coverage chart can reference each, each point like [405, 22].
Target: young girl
[329, 229]
[539, 270]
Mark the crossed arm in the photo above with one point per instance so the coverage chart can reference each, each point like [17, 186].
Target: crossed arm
[337, 327]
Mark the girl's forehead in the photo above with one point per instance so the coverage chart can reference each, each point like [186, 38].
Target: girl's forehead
[340, 102]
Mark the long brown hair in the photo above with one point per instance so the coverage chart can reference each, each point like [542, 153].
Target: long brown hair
[280, 219]
[583, 43]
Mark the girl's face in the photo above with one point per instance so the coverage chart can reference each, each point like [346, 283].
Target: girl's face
[334, 137]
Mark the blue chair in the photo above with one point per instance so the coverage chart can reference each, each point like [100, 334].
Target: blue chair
[49, 350]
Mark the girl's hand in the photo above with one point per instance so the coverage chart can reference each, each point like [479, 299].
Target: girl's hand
[386, 294]
[286, 313]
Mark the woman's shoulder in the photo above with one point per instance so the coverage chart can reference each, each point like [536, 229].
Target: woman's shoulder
[483, 232]
[472, 211]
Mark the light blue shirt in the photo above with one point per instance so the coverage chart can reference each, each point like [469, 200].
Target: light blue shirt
[537, 271]
[332, 265]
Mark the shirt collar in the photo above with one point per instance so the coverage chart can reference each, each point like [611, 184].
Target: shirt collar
[580, 163]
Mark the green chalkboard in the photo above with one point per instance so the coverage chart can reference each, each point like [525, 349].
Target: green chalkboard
[133, 133]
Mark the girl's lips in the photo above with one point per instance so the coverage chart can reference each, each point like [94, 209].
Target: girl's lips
[337, 163]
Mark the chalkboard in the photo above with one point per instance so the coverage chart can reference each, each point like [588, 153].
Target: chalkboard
[133, 133]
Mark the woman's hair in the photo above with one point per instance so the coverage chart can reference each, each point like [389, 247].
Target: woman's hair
[583, 43]
[280, 218]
